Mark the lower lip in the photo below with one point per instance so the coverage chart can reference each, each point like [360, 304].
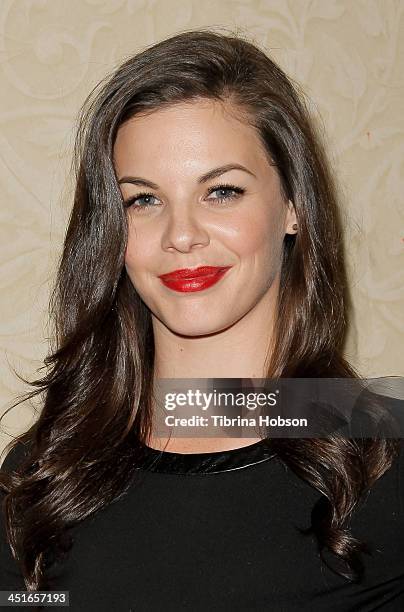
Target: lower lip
[198, 283]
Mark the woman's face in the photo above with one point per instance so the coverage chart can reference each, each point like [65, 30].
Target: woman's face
[236, 218]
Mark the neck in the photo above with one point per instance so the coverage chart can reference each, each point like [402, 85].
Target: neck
[239, 351]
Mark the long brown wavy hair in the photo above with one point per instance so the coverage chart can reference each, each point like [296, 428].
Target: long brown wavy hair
[99, 372]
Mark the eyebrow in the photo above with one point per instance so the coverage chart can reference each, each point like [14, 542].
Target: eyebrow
[135, 180]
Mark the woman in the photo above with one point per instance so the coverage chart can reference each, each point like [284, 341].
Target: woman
[198, 152]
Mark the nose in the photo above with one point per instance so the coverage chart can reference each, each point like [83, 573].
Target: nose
[184, 231]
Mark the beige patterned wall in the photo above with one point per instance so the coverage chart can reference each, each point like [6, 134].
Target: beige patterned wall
[347, 54]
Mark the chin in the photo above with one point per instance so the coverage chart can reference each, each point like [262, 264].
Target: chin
[198, 326]
[192, 330]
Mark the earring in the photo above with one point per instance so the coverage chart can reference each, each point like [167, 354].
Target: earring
[294, 226]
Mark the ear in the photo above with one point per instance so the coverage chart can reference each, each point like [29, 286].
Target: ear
[291, 219]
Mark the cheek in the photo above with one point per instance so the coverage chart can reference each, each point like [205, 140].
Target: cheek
[139, 249]
[257, 235]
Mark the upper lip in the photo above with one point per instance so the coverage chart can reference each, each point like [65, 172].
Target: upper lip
[186, 273]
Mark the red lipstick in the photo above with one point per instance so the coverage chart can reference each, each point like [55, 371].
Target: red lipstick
[186, 280]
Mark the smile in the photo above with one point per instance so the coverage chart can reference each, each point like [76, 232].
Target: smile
[193, 280]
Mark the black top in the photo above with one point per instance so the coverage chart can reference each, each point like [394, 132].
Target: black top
[220, 531]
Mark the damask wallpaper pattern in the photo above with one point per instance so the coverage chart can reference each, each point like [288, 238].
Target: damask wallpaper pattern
[348, 57]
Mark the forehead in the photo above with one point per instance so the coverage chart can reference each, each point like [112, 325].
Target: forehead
[186, 134]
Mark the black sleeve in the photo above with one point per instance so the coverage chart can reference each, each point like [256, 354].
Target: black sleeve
[10, 575]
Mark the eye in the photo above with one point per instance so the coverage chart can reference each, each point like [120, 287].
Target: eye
[140, 196]
[224, 190]
[227, 192]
